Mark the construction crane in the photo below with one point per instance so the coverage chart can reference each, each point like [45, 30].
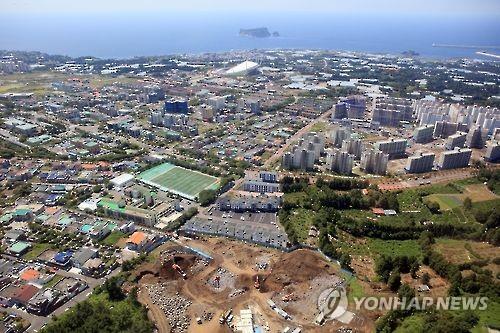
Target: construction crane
[179, 270]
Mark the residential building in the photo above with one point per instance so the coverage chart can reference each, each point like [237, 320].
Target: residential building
[476, 138]
[260, 186]
[176, 106]
[353, 147]
[393, 147]
[492, 152]
[240, 203]
[455, 140]
[420, 163]
[339, 135]
[423, 134]
[340, 161]
[456, 158]
[374, 162]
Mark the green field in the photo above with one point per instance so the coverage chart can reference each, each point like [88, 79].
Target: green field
[301, 221]
[113, 238]
[446, 201]
[184, 182]
[37, 249]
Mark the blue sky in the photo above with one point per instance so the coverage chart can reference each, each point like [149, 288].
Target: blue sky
[335, 6]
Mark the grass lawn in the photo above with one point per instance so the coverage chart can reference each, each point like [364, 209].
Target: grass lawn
[319, 127]
[446, 201]
[394, 247]
[414, 323]
[476, 192]
[37, 249]
[113, 238]
[54, 281]
[355, 289]
[301, 219]
[488, 317]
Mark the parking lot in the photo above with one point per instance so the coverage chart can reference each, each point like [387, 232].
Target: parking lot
[264, 218]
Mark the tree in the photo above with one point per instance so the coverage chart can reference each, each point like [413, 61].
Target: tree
[345, 261]
[414, 269]
[406, 291]
[394, 281]
[207, 197]
[433, 207]
[426, 278]
[113, 289]
[467, 203]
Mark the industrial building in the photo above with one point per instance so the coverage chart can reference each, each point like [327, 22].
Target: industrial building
[244, 68]
[456, 158]
[374, 162]
[393, 147]
[423, 134]
[420, 163]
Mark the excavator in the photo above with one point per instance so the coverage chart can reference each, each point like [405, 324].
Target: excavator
[179, 270]
[217, 281]
[257, 282]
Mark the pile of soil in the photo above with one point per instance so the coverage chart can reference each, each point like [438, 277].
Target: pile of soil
[165, 270]
[296, 267]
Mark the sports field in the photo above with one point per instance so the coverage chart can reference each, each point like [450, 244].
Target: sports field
[184, 182]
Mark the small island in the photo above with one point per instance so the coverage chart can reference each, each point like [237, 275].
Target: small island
[258, 33]
[410, 53]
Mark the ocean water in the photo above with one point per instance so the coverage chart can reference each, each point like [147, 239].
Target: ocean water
[128, 35]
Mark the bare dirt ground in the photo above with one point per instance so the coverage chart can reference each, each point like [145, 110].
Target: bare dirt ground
[461, 251]
[293, 280]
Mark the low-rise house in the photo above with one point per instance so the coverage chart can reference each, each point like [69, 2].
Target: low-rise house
[19, 248]
[83, 255]
[45, 301]
[93, 266]
[13, 236]
[63, 259]
[99, 231]
[142, 242]
[23, 294]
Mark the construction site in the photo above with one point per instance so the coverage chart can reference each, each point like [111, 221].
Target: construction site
[220, 285]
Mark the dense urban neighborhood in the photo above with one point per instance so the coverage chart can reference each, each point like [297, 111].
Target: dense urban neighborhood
[225, 192]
